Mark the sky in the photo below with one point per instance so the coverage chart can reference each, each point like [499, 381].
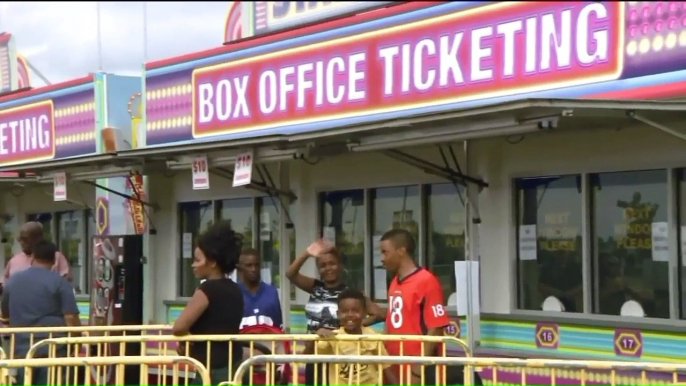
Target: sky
[60, 38]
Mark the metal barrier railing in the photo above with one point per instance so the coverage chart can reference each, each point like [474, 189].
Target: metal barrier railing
[10, 335]
[482, 364]
[254, 344]
[57, 364]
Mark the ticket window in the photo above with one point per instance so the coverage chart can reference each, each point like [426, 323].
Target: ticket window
[392, 208]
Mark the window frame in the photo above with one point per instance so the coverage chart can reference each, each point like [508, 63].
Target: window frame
[584, 239]
[422, 223]
[84, 214]
[179, 232]
[257, 202]
[589, 270]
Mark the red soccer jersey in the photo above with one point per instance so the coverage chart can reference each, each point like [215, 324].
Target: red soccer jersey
[415, 305]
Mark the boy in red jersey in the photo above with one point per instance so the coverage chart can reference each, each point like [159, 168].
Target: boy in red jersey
[415, 300]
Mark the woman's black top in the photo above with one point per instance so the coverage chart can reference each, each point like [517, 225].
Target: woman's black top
[222, 316]
[321, 309]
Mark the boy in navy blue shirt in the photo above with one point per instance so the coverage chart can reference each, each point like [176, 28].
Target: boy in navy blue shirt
[262, 305]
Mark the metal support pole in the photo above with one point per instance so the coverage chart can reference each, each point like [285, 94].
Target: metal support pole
[285, 230]
[471, 251]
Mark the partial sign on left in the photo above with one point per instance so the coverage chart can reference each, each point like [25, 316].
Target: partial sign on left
[27, 133]
[201, 174]
[60, 192]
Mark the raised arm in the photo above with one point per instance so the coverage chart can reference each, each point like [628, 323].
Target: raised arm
[293, 274]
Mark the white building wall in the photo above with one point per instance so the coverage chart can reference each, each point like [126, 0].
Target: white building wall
[496, 160]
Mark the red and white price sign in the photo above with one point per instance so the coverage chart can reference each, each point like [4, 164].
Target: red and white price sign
[201, 174]
[242, 175]
[60, 192]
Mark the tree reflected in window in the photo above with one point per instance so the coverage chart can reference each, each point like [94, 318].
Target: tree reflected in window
[550, 243]
[343, 219]
[631, 250]
[393, 208]
[446, 220]
[195, 218]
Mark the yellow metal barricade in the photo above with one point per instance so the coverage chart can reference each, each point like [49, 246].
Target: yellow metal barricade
[9, 334]
[555, 368]
[253, 344]
[60, 378]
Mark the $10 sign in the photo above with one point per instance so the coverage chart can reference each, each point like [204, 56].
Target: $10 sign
[242, 175]
[201, 175]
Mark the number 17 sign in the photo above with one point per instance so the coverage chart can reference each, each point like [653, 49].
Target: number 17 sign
[201, 174]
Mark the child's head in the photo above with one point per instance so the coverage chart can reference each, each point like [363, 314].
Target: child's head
[352, 307]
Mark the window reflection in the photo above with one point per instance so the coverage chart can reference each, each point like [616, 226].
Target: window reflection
[46, 220]
[393, 208]
[446, 234]
[195, 217]
[549, 243]
[269, 240]
[343, 219]
[631, 248]
[10, 232]
[239, 212]
[72, 243]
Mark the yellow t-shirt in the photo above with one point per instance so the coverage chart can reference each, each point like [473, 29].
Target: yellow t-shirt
[342, 373]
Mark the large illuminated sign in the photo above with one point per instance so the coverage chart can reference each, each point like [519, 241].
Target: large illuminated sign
[497, 50]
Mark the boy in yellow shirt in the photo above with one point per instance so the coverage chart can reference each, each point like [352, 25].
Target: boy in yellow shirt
[351, 311]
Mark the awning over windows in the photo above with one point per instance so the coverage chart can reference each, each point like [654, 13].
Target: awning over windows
[492, 120]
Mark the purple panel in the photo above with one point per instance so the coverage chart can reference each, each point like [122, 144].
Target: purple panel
[169, 108]
[102, 216]
[75, 124]
[655, 37]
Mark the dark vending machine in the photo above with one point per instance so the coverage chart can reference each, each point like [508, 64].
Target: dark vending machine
[117, 293]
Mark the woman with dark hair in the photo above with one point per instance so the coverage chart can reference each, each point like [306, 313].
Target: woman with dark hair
[214, 258]
[321, 310]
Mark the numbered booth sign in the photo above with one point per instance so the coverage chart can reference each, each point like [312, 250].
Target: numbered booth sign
[628, 343]
[201, 174]
[547, 335]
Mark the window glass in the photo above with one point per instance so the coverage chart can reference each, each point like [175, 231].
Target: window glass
[631, 251]
[72, 243]
[269, 241]
[343, 219]
[195, 217]
[10, 233]
[46, 220]
[446, 234]
[549, 243]
[240, 213]
[396, 207]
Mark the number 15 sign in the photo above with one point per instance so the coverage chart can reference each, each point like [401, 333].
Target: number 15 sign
[201, 174]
